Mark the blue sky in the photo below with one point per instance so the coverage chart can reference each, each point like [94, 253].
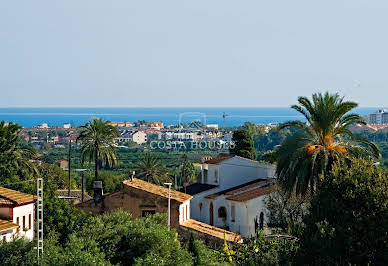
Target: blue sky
[191, 53]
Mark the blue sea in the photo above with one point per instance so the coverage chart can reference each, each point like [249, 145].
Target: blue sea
[57, 116]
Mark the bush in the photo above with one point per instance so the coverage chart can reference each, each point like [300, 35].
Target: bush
[347, 220]
[265, 252]
[126, 241]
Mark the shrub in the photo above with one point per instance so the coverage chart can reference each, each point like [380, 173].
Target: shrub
[347, 220]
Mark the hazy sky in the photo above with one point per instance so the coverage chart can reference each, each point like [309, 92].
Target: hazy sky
[191, 53]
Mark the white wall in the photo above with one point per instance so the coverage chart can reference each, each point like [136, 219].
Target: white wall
[21, 211]
[8, 235]
[237, 171]
[182, 211]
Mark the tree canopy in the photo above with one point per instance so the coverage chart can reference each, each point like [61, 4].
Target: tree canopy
[347, 220]
[323, 139]
[243, 145]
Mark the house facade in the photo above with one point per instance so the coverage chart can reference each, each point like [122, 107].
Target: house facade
[141, 198]
[231, 194]
[16, 214]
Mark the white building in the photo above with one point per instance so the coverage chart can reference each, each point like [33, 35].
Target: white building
[139, 137]
[188, 136]
[379, 117]
[44, 125]
[231, 194]
[66, 126]
[16, 215]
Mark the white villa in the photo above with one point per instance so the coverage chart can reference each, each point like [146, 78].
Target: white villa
[231, 194]
[16, 215]
[139, 137]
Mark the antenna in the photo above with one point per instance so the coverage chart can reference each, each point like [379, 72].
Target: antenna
[224, 115]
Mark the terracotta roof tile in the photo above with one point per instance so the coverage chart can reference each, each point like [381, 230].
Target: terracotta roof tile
[211, 230]
[250, 194]
[157, 190]
[6, 225]
[218, 159]
[236, 189]
[14, 196]
[75, 193]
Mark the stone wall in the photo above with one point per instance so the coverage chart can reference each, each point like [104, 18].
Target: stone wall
[134, 201]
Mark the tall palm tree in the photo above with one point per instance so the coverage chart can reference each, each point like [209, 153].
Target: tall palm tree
[325, 138]
[97, 138]
[150, 168]
[15, 158]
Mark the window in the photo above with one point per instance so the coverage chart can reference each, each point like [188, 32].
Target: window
[216, 175]
[222, 213]
[205, 171]
[29, 221]
[145, 213]
[24, 222]
[186, 212]
[233, 213]
[17, 222]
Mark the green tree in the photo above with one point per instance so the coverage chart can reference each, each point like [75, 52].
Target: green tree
[321, 141]
[243, 145]
[253, 129]
[150, 169]
[269, 157]
[97, 138]
[285, 211]
[126, 241]
[347, 220]
[15, 159]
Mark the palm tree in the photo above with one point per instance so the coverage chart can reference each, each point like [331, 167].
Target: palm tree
[150, 168]
[97, 138]
[325, 138]
[15, 158]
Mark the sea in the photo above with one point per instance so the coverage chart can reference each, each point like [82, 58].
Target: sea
[223, 116]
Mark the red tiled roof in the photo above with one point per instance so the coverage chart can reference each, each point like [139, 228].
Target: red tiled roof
[7, 225]
[14, 197]
[157, 190]
[218, 159]
[237, 189]
[211, 230]
[250, 194]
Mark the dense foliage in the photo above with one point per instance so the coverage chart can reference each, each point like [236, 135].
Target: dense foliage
[15, 159]
[96, 138]
[321, 141]
[285, 210]
[243, 145]
[347, 220]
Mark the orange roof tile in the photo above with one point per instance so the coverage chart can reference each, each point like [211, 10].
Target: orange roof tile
[14, 197]
[6, 225]
[250, 194]
[211, 230]
[157, 190]
[218, 159]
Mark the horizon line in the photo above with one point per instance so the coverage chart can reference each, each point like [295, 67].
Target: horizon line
[155, 106]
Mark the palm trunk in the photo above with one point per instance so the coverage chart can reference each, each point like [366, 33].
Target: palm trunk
[96, 167]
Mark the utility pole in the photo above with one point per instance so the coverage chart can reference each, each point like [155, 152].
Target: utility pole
[184, 172]
[68, 192]
[169, 199]
[39, 216]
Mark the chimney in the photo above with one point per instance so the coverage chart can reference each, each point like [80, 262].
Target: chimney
[98, 192]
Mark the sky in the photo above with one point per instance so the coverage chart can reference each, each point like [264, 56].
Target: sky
[191, 53]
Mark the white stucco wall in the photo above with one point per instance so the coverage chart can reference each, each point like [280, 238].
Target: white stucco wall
[232, 172]
[236, 171]
[21, 211]
[8, 235]
[183, 216]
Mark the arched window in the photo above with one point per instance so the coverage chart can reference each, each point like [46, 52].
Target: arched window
[222, 213]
